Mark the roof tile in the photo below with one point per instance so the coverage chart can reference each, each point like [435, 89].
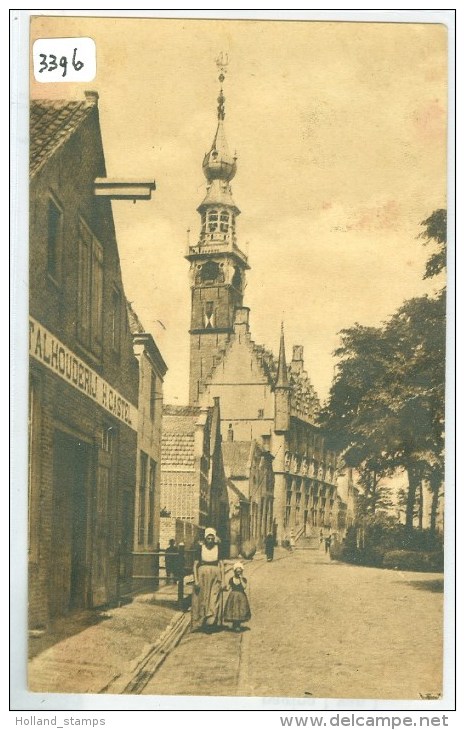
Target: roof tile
[51, 123]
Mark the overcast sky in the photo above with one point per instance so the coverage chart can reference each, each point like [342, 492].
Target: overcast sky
[340, 131]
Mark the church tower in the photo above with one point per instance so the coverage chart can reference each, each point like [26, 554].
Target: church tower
[217, 265]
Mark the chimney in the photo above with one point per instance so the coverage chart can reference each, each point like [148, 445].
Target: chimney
[241, 320]
[297, 363]
[92, 98]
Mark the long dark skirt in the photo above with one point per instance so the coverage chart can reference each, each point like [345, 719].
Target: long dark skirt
[237, 607]
[207, 605]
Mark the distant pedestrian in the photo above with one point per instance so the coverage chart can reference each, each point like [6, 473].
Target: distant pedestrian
[327, 543]
[321, 538]
[269, 547]
[171, 560]
[292, 541]
[237, 609]
[207, 597]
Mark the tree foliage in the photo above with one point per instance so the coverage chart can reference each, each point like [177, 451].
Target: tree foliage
[435, 230]
[386, 404]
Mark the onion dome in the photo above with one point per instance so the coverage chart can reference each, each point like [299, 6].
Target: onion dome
[219, 164]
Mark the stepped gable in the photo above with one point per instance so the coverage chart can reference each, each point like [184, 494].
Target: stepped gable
[304, 399]
[218, 359]
[268, 362]
[51, 124]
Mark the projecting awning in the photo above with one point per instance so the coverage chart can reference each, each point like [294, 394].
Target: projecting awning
[123, 189]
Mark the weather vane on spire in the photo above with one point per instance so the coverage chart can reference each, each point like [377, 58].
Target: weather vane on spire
[222, 64]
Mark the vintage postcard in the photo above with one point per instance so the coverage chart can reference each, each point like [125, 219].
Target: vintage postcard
[237, 349]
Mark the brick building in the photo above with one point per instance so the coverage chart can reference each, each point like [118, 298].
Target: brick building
[152, 370]
[83, 416]
[262, 398]
[193, 482]
[249, 469]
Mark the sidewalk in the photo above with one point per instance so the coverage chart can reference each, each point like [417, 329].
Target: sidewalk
[105, 651]
[105, 647]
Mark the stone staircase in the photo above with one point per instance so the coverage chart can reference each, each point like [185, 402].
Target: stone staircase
[311, 541]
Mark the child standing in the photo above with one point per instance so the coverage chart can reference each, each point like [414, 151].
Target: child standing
[237, 609]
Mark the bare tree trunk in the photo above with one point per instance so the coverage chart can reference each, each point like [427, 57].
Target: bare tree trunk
[420, 504]
[413, 482]
[373, 493]
[435, 484]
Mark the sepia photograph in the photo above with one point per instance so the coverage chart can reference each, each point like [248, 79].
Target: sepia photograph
[237, 358]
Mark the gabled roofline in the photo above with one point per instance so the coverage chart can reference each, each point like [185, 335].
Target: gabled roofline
[146, 339]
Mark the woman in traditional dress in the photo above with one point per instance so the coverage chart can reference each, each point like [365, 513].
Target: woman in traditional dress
[237, 609]
[207, 598]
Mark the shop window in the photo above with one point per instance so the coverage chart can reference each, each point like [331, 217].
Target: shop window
[90, 291]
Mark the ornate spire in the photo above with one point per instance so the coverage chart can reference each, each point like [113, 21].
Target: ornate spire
[281, 380]
[218, 164]
[222, 63]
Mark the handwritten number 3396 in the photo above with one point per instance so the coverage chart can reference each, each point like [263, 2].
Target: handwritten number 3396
[52, 64]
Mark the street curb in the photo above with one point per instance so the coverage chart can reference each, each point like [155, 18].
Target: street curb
[142, 669]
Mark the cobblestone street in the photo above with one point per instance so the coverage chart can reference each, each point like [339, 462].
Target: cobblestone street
[319, 629]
